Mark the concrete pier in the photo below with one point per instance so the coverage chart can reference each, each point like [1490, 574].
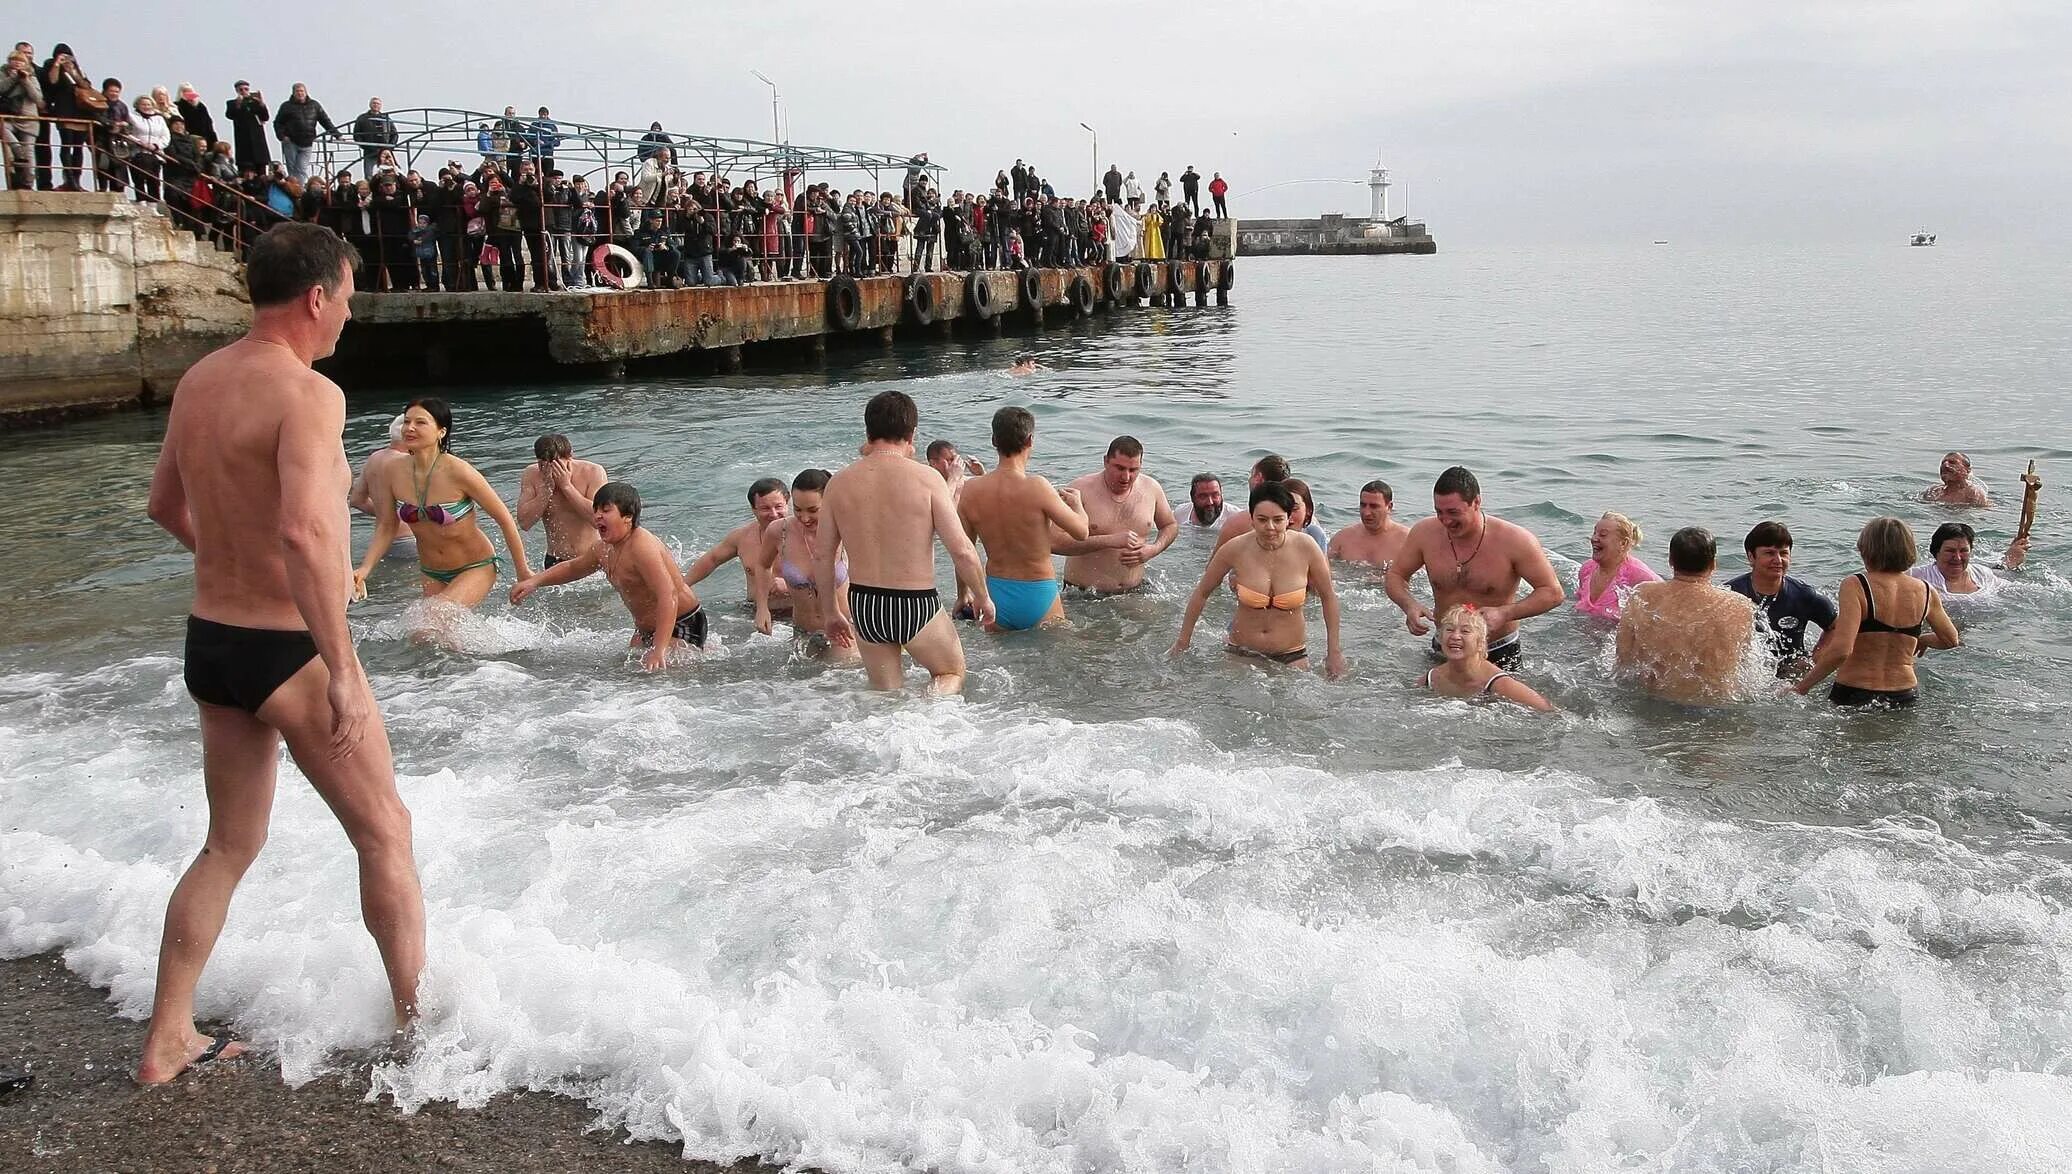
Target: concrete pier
[458, 336]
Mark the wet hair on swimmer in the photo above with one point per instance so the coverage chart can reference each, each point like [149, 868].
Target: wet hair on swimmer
[1627, 527]
[1692, 551]
[1382, 487]
[762, 488]
[1300, 488]
[1949, 531]
[938, 449]
[891, 415]
[1128, 446]
[288, 260]
[1274, 492]
[1201, 479]
[552, 447]
[1767, 534]
[811, 480]
[1887, 545]
[1271, 467]
[1458, 482]
[620, 496]
[1014, 430]
[442, 415]
[1469, 614]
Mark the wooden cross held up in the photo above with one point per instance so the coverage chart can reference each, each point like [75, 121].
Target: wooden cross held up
[2031, 484]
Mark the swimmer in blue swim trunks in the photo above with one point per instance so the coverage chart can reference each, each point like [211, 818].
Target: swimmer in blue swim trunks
[1016, 516]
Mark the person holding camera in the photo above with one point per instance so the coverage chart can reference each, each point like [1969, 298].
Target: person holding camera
[248, 117]
[21, 96]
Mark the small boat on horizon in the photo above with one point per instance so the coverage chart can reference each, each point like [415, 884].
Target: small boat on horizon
[1922, 239]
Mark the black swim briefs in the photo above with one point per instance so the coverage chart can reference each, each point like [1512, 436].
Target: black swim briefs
[890, 615]
[689, 628]
[241, 667]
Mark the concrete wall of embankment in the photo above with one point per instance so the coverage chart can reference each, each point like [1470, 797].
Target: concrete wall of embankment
[104, 304]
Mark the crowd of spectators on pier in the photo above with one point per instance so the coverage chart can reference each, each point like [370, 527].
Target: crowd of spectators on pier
[510, 218]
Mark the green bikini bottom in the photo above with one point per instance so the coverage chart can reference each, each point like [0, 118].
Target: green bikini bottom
[457, 572]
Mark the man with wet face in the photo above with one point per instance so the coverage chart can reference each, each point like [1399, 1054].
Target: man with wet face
[944, 458]
[560, 489]
[1271, 467]
[1956, 485]
[1470, 557]
[1206, 509]
[767, 502]
[1783, 605]
[1129, 518]
[1682, 638]
[1377, 536]
[636, 563]
[253, 479]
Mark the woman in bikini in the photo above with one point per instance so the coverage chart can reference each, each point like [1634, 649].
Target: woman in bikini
[787, 550]
[1467, 670]
[438, 495]
[1273, 569]
[1872, 649]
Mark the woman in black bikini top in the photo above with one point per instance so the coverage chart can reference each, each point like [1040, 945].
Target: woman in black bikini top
[1871, 659]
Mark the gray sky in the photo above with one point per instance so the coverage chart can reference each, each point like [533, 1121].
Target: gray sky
[1604, 120]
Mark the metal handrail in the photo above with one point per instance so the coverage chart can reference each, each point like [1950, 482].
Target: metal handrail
[424, 130]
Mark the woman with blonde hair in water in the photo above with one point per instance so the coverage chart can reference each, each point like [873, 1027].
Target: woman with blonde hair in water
[1872, 649]
[1612, 571]
[437, 495]
[1273, 569]
[1467, 670]
[787, 550]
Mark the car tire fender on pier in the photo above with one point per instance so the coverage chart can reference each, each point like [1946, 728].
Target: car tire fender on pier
[1032, 289]
[1176, 277]
[920, 294]
[1081, 294]
[844, 302]
[1111, 283]
[1147, 279]
[978, 291]
[1226, 276]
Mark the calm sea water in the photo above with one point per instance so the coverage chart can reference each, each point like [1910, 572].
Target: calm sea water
[1116, 912]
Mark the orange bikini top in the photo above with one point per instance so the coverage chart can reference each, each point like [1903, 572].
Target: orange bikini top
[1285, 601]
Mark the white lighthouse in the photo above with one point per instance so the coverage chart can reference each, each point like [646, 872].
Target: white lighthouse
[1378, 189]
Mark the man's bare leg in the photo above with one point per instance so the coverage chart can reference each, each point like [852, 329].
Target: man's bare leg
[239, 757]
[361, 792]
[937, 649]
[882, 663]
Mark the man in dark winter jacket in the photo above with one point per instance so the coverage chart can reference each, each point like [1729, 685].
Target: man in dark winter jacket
[1113, 183]
[248, 117]
[375, 133]
[196, 113]
[1190, 187]
[295, 125]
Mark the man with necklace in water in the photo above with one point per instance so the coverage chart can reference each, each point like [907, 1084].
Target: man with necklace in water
[1470, 557]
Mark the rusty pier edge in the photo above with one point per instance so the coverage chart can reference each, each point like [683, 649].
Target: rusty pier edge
[466, 337]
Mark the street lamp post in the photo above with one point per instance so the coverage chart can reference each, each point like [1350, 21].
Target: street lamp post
[1097, 154]
[776, 134]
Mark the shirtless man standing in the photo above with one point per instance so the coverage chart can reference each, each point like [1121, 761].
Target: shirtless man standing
[636, 563]
[1377, 536]
[888, 511]
[1470, 557]
[1957, 486]
[1010, 513]
[1684, 639]
[1236, 523]
[766, 504]
[1122, 507]
[252, 479]
[559, 488]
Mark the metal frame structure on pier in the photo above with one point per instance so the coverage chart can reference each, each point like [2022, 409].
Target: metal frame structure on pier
[588, 149]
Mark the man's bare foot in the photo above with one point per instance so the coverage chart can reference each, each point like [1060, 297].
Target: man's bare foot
[161, 1064]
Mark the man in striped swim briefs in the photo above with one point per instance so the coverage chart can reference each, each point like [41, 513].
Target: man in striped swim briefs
[887, 509]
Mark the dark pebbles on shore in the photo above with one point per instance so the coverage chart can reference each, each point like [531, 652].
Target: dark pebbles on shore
[81, 1111]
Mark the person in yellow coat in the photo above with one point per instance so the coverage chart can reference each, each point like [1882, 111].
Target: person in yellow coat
[1151, 246]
